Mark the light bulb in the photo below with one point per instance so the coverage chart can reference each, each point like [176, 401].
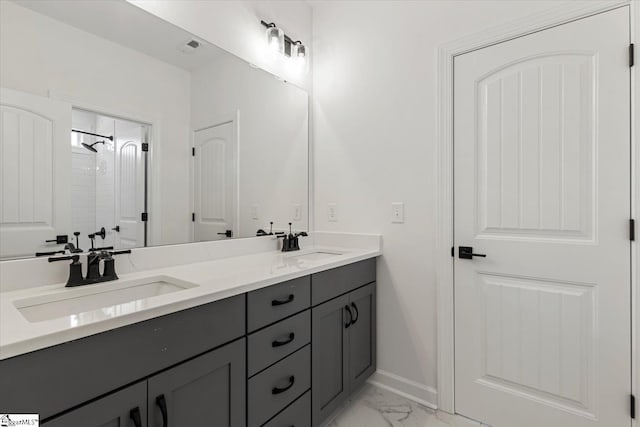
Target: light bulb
[275, 39]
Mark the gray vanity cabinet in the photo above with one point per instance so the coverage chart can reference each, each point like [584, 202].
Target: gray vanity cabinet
[343, 335]
[284, 355]
[124, 408]
[206, 391]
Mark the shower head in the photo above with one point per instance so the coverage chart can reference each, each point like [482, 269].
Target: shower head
[90, 146]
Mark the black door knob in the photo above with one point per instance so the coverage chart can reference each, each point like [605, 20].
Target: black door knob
[116, 228]
[227, 233]
[466, 252]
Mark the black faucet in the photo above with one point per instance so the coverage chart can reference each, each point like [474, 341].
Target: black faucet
[93, 268]
[290, 242]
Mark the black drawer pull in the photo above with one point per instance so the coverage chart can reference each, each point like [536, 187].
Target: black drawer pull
[277, 343]
[355, 308]
[350, 322]
[276, 302]
[134, 414]
[278, 390]
[162, 404]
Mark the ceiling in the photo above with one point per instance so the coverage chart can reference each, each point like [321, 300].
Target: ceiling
[123, 23]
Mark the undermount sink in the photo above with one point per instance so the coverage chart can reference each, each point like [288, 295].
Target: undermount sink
[319, 255]
[86, 304]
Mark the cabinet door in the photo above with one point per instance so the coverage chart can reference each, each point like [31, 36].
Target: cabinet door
[362, 335]
[329, 357]
[125, 408]
[206, 391]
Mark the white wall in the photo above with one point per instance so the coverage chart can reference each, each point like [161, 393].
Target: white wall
[374, 124]
[55, 58]
[235, 26]
[273, 138]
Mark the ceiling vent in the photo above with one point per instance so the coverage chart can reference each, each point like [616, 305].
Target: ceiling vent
[189, 46]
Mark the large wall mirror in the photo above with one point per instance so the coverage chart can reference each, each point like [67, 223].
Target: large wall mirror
[121, 130]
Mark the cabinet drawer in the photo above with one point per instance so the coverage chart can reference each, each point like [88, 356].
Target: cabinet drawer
[296, 415]
[268, 305]
[332, 283]
[277, 341]
[273, 389]
[95, 365]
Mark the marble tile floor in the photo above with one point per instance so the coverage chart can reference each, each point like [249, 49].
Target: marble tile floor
[377, 407]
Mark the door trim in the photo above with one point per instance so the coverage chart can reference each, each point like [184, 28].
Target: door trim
[565, 12]
[153, 174]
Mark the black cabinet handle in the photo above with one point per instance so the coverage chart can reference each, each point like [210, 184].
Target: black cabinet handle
[350, 322]
[162, 404]
[355, 308]
[277, 343]
[289, 299]
[277, 390]
[134, 414]
[116, 228]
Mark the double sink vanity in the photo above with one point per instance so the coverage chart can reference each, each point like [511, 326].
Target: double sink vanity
[263, 339]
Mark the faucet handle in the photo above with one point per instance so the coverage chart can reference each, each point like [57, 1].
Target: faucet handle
[125, 251]
[74, 258]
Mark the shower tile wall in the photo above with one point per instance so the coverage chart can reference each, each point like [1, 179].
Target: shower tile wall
[83, 193]
[105, 181]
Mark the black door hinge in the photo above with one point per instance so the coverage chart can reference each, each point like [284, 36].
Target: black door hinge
[193, 151]
[144, 217]
[193, 217]
[452, 251]
[632, 408]
[145, 146]
[631, 55]
[632, 230]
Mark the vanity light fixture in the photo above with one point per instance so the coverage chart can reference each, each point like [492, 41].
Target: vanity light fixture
[279, 42]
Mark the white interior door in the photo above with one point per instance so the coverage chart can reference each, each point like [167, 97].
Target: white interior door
[542, 187]
[35, 173]
[214, 182]
[130, 185]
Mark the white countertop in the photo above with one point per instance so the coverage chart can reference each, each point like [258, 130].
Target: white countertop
[210, 281]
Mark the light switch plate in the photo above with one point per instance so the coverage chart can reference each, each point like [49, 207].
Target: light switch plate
[397, 212]
[255, 211]
[332, 212]
[297, 212]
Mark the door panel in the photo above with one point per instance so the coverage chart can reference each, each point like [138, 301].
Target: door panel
[542, 185]
[35, 172]
[206, 391]
[130, 185]
[214, 182]
[329, 357]
[362, 335]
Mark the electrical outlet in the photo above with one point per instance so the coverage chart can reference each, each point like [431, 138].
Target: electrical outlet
[255, 211]
[397, 212]
[297, 212]
[332, 212]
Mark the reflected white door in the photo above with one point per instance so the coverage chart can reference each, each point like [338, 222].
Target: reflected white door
[130, 182]
[35, 173]
[542, 187]
[214, 182]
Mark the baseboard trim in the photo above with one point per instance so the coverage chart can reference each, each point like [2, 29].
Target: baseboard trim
[404, 387]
